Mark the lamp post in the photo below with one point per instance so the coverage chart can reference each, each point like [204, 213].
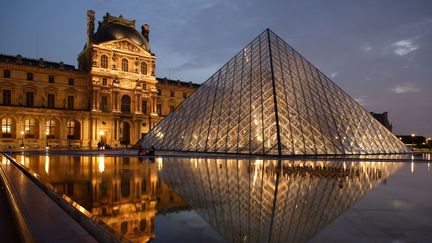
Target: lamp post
[101, 134]
[22, 139]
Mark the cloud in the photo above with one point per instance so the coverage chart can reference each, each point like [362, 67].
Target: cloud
[405, 88]
[366, 47]
[404, 47]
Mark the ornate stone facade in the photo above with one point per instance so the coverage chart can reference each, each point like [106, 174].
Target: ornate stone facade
[113, 96]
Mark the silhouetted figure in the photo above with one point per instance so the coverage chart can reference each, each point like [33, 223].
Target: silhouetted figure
[141, 150]
[151, 152]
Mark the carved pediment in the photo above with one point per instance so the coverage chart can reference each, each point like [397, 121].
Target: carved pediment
[125, 45]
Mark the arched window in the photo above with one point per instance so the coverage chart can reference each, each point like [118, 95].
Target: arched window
[30, 130]
[125, 104]
[7, 127]
[73, 128]
[124, 65]
[144, 68]
[104, 61]
[50, 127]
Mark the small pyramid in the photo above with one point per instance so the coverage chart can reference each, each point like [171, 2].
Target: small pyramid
[269, 100]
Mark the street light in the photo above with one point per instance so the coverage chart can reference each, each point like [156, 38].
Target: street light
[101, 134]
[22, 139]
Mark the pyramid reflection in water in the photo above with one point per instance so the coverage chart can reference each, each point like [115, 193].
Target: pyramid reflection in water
[268, 99]
[272, 201]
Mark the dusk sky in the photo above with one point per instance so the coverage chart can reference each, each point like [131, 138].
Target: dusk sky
[379, 52]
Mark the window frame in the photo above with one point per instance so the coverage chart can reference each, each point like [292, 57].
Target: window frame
[125, 107]
[29, 98]
[7, 99]
[124, 65]
[104, 61]
[6, 127]
[51, 100]
[30, 76]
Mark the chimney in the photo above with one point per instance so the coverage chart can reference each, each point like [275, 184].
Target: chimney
[90, 26]
[145, 30]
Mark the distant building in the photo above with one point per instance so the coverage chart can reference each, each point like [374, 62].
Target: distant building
[113, 96]
[383, 119]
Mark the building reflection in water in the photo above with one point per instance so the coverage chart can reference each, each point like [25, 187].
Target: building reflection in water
[125, 193]
[244, 200]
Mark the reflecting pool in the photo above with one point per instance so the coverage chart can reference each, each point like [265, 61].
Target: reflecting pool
[234, 200]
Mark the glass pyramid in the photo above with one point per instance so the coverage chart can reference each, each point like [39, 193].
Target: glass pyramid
[269, 100]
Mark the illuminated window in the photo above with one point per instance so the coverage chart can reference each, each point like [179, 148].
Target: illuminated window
[104, 61]
[104, 81]
[29, 76]
[125, 104]
[29, 98]
[51, 100]
[70, 102]
[6, 124]
[29, 128]
[73, 129]
[144, 68]
[7, 97]
[6, 73]
[50, 127]
[124, 65]
[51, 79]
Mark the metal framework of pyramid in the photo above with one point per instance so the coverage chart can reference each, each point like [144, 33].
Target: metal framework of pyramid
[269, 100]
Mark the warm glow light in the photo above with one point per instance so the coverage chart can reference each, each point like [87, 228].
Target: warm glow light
[101, 164]
[412, 167]
[22, 132]
[412, 135]
[159, 162]
[47, 164]
[101, 133]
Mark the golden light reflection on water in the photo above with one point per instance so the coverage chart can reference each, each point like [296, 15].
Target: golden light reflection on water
[101, 163]
[127, 194]
[47, 160]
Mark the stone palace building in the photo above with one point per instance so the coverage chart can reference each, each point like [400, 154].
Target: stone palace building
[113, 96]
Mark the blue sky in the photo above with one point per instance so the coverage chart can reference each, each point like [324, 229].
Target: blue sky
[380, 52]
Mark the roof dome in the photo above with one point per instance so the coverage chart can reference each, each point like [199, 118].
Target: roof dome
[114, 31]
